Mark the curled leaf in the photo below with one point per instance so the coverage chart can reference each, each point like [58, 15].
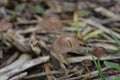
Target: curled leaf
[65, 44]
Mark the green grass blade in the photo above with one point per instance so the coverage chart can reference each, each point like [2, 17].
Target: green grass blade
[96, 64]
[99, 69]
[112, 65]
[39, 9]
[76, 24]
[115, 38]
[94, 33]
[117, 78]
[113, 52]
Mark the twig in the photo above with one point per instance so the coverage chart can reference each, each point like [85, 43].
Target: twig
[93, 74]
[48, 73]
[10, 60]
[47, 69]
[87, 30]
[104, 21]
[107, 13]
[23, 58]
[19, 76]
[24, 66]
[43, 74]
[105, 45]
[27, 22]
[70, 75]
[101, 41]
[79, 59]
[99, 26]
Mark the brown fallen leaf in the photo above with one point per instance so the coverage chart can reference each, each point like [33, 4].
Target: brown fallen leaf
[51, 24]
[65, 44]
[4, 26]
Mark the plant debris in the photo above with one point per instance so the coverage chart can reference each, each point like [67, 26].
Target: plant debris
[59, 39]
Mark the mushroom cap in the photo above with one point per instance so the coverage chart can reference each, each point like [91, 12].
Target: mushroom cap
[51, 24]
[65, 44]
[99, 52]
[87, 62]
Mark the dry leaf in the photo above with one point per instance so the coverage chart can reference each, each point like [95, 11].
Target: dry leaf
[51, 24]
[65, 44]
[4, 26]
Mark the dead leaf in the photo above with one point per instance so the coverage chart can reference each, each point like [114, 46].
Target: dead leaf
[65, 44]
[4, 26]
[51, 24]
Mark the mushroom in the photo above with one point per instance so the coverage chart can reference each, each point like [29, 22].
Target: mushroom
[87, 63]
[99, 52]
[64, 44]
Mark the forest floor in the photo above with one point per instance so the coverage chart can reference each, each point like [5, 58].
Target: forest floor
[59, 39]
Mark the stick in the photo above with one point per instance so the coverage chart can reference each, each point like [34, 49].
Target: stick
[99, 26]
[23, 58]
[107, 13]
[81, 58]
[24, 66]
[19, 76]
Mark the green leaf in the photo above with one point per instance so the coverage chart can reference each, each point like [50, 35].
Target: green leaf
[95, 33]
[115, 38]
[39, 9]
[84, 12]
[112, 65]
[21, 7]
[117, 78]
[113, 52]
[76, 24]
[14, 15]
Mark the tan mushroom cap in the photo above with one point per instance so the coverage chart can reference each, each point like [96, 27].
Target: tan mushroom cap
[65, 44]
[51, 24]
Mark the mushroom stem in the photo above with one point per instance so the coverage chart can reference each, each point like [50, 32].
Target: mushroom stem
[87, 69]
[98, 61]
[1, 34]
[88, 77]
